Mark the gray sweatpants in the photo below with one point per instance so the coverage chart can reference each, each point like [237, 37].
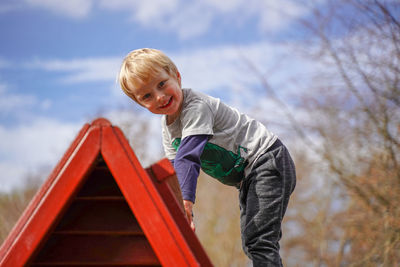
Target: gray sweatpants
[264, 196]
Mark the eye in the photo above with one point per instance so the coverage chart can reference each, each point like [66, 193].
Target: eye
[146, 97]
[161, 84]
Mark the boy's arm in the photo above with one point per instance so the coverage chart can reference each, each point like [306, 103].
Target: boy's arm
[187, 164]
[187, 168]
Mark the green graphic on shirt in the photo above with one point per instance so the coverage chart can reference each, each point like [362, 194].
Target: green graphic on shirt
[224, 165]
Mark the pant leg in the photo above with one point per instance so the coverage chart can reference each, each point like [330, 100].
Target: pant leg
[264, 197]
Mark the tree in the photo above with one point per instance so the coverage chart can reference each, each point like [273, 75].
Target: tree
[353, 127]
[354, 118]
[12, 204]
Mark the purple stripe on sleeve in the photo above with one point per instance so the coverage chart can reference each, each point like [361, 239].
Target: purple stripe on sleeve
[187, 164]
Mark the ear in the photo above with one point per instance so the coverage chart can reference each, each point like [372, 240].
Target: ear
[178, 77]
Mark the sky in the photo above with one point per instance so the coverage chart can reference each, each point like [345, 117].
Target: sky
[59, 61]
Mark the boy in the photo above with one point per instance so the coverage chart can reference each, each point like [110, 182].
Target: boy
[201, 131]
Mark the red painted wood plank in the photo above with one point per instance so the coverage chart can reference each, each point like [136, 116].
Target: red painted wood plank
[162, 170]
[170, 192]
[68, 176]
[99, 215]
[71, 264]
[174, 204]
[97, 249]
[146, 203]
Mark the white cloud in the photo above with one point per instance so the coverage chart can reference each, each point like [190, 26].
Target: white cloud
[225, 66]
[223, 5]
[210, 68]
[9, 102]
[71, 8]
[19, 105]
[279, 14]
[143, 11]
[187, 19]
[204, 69]
[190, 21]
[81, 70]
[26, 148]
[192, 18]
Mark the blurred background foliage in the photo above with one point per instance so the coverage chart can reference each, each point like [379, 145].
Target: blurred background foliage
[12, 204]
[344, 136]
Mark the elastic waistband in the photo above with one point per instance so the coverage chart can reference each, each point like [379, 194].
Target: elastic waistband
[275, 145]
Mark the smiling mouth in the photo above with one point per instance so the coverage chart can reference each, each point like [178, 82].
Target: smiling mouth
[168, 104]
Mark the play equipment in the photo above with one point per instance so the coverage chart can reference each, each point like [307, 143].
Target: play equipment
[100, 207]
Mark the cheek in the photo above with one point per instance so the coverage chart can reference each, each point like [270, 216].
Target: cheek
[169, 89]
[147, 105]
[180, 95]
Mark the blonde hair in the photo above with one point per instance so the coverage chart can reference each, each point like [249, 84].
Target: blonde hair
[140, 65]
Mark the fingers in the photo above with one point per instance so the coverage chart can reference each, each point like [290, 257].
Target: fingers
[188, 209]
[189, 213]
[193, 226]
[190, 218]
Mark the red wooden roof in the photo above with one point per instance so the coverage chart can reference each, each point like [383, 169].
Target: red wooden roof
[100, 207]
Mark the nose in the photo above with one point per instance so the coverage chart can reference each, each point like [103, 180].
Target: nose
[160, 97]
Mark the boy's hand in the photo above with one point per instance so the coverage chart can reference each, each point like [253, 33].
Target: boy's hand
[189, 212]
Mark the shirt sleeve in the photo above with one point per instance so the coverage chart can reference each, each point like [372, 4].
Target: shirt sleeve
[170, 152]
[197, 118]
[187, 164]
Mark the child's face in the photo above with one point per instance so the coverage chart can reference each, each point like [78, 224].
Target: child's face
[162, 94]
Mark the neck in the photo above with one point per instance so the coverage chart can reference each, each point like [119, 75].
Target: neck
[171, 118]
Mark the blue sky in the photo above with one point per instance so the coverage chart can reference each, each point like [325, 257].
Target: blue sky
[59, 60]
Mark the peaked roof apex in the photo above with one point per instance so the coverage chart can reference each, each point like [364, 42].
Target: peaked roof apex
[101, 122]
